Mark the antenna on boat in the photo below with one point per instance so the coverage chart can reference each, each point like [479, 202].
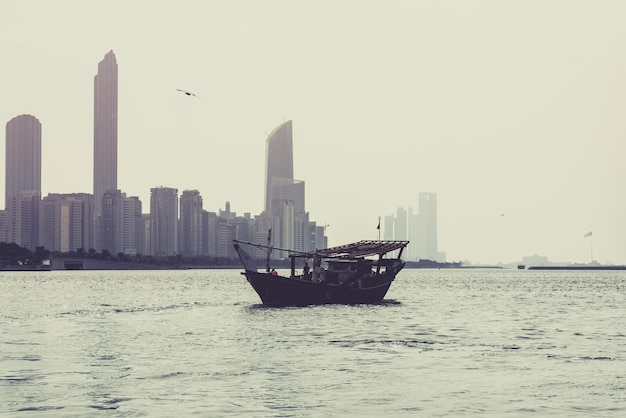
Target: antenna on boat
[378, 227]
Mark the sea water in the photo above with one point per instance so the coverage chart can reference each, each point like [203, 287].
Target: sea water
[198, 342]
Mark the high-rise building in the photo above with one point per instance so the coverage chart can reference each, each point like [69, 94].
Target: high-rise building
[62, 222]
[279, 159]
[190, 231]
[105, 130]
[142, 231]
[420, 229]
[426, 231]
[88, 228]
[321, 240]
[210, 232]
[3, 226]
[164, 221]
[119, 222]
[23, 180]
[23, 156]
[23, 219]
[284, 196]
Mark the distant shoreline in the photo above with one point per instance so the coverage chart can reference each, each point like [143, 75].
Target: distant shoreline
[577, 268]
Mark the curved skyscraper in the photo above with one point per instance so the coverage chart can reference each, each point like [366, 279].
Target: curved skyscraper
[279, 159]
[105, 130]
[284, 211]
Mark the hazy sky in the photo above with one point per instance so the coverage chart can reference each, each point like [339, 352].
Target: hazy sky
[500, 107]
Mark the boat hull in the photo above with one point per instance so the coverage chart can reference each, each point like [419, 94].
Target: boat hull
[282, 291]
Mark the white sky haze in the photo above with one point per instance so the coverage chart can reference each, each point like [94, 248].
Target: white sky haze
[499, 107]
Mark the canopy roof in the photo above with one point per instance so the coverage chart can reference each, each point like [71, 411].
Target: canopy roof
[360, 249]
[346, 251]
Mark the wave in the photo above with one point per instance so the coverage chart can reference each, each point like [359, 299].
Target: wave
[112, 309]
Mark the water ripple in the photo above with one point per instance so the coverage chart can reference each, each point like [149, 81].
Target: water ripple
[444, 343]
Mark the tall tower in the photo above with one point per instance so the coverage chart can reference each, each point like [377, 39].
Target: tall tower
[23, 180]
[423, 233]
[284, 196]
[105, 130]
[23, 156]
[279, 159]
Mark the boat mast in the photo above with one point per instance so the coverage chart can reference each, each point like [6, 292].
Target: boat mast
[269, 250]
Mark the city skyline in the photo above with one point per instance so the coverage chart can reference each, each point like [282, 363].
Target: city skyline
[110, 220]
[499, 108]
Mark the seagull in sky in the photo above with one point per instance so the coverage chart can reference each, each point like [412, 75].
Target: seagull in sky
[188, 93]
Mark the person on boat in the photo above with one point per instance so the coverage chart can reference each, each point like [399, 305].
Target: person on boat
[274, 272]
[306, 269]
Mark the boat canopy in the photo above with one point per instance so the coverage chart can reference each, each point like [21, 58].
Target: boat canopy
[359, 249]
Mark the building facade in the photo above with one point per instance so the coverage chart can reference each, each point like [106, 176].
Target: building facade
[119, 221]
[23, 219]
[164, 221]
[191, 228]
[62, 222]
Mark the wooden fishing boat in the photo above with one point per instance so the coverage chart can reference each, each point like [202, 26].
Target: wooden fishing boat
[361, 272]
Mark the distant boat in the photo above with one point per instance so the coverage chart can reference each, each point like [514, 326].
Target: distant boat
[44, 266]
[348, 274]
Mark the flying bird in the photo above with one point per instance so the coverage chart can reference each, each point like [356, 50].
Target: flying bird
[188, 93]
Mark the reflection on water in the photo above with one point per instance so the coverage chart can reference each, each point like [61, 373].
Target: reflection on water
[456, 342]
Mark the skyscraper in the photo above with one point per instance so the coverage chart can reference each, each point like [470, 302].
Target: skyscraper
[164, 221]
[119, 221]
[23, 180]
[284, 196]
[105, 130]
[423, 230]
[279, 159]
[23, 156]
[190, 231]
[61, 222]
[420, 229]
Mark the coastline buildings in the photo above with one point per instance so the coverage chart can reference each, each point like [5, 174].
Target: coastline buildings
[110, 222]
[23, 180]
[420, 229]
